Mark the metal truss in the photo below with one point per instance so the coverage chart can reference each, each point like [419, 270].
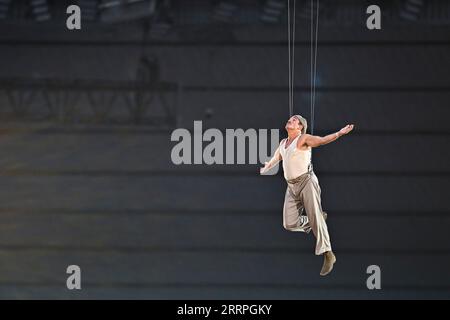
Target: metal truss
[91, 101]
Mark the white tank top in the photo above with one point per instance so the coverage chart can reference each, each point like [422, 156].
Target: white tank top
[295, 161]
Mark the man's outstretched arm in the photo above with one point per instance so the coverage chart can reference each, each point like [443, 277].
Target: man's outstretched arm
[272, 162]
[317, 141]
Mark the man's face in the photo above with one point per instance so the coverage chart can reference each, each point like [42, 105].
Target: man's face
[293, 124]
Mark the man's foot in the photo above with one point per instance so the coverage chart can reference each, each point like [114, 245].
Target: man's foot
[328, 261]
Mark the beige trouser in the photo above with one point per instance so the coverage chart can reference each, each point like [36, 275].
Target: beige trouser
[303, 194]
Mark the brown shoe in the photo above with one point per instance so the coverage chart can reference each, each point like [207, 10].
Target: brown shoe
[328, 261]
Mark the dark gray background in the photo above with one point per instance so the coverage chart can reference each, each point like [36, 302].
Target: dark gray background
[99, 190]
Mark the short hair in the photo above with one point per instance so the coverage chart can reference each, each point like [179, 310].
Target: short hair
[303, 122]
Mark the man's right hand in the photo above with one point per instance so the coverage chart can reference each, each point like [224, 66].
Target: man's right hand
[264, 169]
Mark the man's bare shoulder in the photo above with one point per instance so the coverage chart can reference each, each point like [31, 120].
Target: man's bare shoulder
[306, 135]
[303, 139]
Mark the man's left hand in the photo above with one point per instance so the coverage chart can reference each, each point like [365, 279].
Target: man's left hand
[346, 129]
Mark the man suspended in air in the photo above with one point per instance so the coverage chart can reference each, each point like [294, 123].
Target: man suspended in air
[303, 190]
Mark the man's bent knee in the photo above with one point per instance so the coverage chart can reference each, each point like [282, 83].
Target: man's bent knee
[290, 227]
